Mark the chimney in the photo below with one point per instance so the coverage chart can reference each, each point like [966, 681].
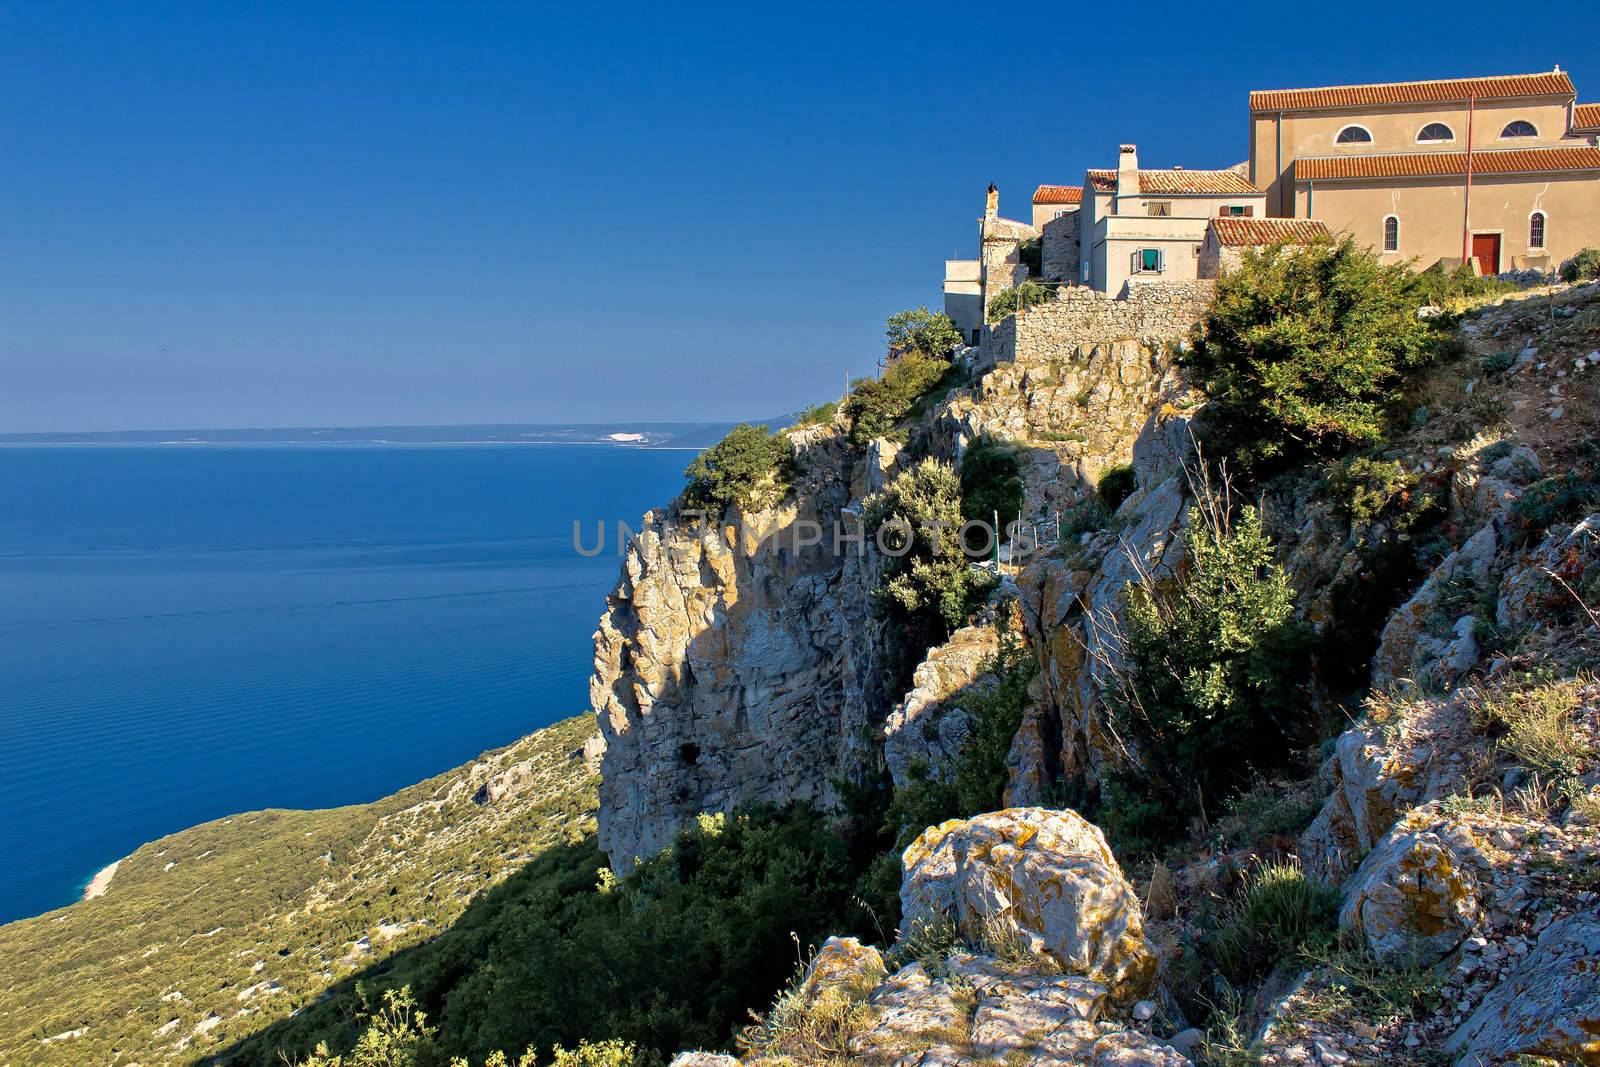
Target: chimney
[991, 202]
[1128, 171]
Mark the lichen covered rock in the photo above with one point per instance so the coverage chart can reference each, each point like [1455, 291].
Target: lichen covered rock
[1549, 1007]
[929, 728]
[1043, 878]
[1414, 899]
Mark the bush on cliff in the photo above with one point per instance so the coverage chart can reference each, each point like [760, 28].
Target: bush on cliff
[991, 483]
[1209, 693]
[923, 332]
[875, 405]
[916, 520]
[1117, 483]
[1301, 350]
[752, 466]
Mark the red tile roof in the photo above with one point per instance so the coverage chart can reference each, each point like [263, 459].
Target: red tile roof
[1234, 230]
[1180, 182]
[1586, 117]
[1058, 194]
[1551, 83]
[1447, 164]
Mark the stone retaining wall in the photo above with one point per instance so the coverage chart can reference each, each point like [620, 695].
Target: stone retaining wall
[1154, 313]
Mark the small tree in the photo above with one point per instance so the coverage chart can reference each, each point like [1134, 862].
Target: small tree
[752, 466]
[929, 580]
[875, 405]
[1301, 348]
[1209, 691]
[1009, 301]
[927, 333]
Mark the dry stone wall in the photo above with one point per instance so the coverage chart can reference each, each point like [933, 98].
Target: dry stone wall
[1157, 313]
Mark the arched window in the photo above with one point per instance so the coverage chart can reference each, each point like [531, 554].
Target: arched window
[1536, 230]
[1519, 128]
[1391, 233]
[1434, 132]
[1353, 135]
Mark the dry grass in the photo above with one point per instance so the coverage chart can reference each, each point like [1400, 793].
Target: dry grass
[1536, 726]
[812, 1027]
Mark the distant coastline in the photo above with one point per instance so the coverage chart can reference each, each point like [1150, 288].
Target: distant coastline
[675, 435]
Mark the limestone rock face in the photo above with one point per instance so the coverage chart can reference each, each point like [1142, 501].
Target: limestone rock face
[1414, 646]
[1414, 899]
[1043, 877]
[842, 961]
[736, 661]
[929, 726]
[1380, 770]
[1572, 555]
[1550, 1005]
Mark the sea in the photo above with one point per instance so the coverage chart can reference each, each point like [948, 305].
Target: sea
[193, 630]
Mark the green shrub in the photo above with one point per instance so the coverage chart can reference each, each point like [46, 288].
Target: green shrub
[1364, 488]
[1210, 692]
[1301, 350]
[1280, 913]
[928, 580]
[820, 415]
[1586, 264]
[1442, 288]
[875, 405]
[1009, 301]
[676, 954]
[991, 483]
[752, 466]
[1562, 498]
[1117, 484]
[1498, 363]
[923, 332]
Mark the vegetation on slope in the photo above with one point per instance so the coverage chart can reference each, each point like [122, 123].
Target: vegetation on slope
[214, 932]
[751, 467]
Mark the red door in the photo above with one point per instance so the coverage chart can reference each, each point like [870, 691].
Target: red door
[1486, 250]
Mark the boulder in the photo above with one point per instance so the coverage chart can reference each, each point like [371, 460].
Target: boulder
[703, 1059]
[842, 962]
[1414, 899]
[1040, 877]
[1550, 1005]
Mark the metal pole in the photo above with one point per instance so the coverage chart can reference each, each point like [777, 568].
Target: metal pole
[1466, 200]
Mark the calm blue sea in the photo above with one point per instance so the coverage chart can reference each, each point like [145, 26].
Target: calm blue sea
[191, 632]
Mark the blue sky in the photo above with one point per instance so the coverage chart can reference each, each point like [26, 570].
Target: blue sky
[217, 215]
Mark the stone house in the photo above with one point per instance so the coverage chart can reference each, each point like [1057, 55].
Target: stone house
[1055, 216]
[1138, 226]
[1504, 170]
[1228, 237]
[999, 266]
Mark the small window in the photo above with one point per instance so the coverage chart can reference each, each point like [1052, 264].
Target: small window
[1159, 209]
[1149, 261]
[1536, 230]
[1237, 210]
[1435, 132]
[1353, 135]
[1519, 128]
[1391, 234]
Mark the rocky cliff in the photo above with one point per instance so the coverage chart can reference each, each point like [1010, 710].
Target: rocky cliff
[733, 667]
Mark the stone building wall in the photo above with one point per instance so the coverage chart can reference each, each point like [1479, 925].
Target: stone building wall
[1153, 313]
[1059, 248]
[1002, 269]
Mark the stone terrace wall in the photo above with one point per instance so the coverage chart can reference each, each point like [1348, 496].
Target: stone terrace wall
[1153, 313]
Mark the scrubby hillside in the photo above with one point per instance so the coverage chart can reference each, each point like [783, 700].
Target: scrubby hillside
[1268, 738]
[212, 933]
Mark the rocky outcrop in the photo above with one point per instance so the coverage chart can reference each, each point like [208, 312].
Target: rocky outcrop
[929, 728]
[738, 660]
[1040, 879]
[1404, 753]
[1415, 898]
[1547, 579]
[1431, 638]
[1549, 1005]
